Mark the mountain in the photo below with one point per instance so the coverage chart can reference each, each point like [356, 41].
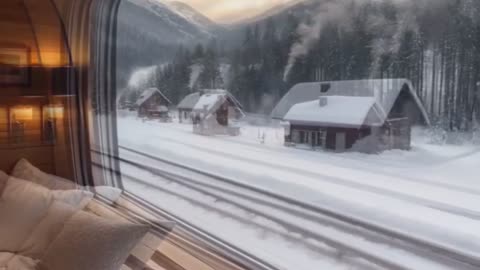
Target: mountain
[272, 12]
[195, 17]
[279, 15]
[164, 21]
[149, 33]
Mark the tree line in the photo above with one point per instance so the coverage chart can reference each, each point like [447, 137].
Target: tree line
[437, 48]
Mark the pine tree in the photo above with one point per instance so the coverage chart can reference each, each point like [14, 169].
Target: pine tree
[210, 77]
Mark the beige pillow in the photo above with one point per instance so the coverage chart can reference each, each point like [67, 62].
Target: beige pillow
[3, 181]
[19, 262]
[19, 188]
[93, 243]
[17, 220]
[47, 230]
[24, 205]
[25, 170]
[5, 257]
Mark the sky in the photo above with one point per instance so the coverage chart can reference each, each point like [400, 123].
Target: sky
[228, 11]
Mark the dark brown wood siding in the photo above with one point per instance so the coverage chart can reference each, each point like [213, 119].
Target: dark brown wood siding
[351, 134]
[155, 100]
[222, 114]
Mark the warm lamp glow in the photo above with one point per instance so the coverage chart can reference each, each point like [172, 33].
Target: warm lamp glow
[53, 58]
[22, 114]
[55, 112]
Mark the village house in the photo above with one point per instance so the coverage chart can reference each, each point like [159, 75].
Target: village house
[363, 115]
[153, 104]
[215, 112]
[185, 107]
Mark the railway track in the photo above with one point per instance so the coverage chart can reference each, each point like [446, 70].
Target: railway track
[428, 202]
[361, 240]
[337, 160]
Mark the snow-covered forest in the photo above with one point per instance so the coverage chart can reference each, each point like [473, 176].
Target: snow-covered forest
[435, 44]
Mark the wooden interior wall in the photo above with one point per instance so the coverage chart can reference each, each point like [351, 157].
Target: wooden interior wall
[34, 27]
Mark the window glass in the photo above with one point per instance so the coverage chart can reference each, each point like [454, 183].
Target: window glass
[307, 133]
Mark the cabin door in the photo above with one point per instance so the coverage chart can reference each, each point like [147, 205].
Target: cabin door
[340, 141]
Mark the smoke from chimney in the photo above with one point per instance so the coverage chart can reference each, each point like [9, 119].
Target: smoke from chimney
[386, 33]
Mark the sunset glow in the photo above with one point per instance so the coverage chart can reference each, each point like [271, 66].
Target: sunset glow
[228, 11]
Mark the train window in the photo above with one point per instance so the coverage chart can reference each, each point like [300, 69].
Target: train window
[239, 135]
[205, 88]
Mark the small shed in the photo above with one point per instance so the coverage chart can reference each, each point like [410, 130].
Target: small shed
[185, 107]
[153, 104]
[214, 112]
[366, 115]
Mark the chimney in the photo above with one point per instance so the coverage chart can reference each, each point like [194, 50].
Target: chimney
[324, 87]
[323, 101]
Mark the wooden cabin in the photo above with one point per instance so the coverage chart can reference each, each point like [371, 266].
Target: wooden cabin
[363, 115]
[186, 105]
[215, 113]
[153, 104]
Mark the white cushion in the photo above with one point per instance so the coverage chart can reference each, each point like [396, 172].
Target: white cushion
[47, 230]
[93, 243]
[3, 181]
[112, 194]
[19, 262]
[25, 204]
[76, 198]
[22, 189]
[11, 261]
[5, 257]
[17, 221]
[25, 170]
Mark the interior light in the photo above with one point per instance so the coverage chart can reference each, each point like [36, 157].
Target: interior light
[54, 111]
[22, 114]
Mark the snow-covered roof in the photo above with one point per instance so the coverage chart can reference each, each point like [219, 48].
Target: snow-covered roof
[212, 99]
[227, 94]
[208, 101]
[189, 101]
[384, 91]
[148, 93]
[361, 111]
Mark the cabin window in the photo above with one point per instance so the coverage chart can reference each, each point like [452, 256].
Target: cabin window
[303, 137]
[321, 137]
[295, 136]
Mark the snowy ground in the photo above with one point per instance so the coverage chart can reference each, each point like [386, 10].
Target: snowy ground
[431, 192]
